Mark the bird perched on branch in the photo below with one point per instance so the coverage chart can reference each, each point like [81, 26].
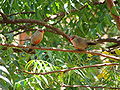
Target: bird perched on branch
[80, 43]
[36, 38]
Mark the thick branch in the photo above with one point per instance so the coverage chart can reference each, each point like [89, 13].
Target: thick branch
[75, 68]
[86, 86]
[35, 22]
[64, 50]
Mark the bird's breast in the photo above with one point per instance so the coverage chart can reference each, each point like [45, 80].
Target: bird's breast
[37, 41]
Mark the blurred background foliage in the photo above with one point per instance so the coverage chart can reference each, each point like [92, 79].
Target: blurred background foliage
[93, 22]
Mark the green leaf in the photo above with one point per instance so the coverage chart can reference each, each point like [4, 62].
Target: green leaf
[40, 83]
[29, 64]
[6, 79]
[4, 69]
[114, 11]
[99, 29]
[73, 4]
[1, 61]
[66, 7]
[107, 19]
[117, 51]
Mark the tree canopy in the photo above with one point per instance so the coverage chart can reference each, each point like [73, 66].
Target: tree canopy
[55, 63]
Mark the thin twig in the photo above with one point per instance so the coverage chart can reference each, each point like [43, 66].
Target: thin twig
[63, 13]
[86, 86]
[20, 27]
[71, 11]
[75, 68]
[28, 30]
[58, 21]
[64, 50]
[108, 40]
[113, 46]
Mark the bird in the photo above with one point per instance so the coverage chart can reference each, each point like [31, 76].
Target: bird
[80, 43]
[36, 38]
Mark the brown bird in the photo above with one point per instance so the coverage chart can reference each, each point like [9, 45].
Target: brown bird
[80, 43]
[36, 38]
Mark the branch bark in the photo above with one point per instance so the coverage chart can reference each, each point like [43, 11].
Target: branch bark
[64, 50]
[35, 22]
[75, 68]
[108, 40]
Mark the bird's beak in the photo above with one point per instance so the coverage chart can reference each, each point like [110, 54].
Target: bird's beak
[42, 31]
[71, 37]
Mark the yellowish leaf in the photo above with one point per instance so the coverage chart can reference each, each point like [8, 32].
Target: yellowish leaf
[104, 74]
[117, 51]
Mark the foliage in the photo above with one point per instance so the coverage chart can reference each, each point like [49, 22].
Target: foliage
[92, 22]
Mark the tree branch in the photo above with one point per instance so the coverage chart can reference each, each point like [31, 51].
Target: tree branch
[75, 68]
[63, 13]
[58, 21]
[21, 27]
[113, 46]
[36, 22]
[17, 50]
[71, 11]
[86, 86]
[64, 50]
[108, 40]
[28, 30]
